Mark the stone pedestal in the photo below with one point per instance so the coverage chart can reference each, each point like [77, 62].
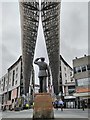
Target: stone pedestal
[43, 107]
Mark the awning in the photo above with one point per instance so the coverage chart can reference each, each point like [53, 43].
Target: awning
[82, 94]
[69, 97]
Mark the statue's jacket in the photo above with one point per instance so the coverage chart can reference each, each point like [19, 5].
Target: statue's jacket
[43, 69]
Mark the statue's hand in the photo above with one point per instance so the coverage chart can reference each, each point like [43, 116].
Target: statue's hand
[37, 59]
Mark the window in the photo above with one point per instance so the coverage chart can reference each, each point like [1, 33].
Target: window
[60, 75]
[13, 78]
[60, 68]
[65, 81]
[4, 84]
[83, 82]
[16, 75]
[83, 68]
[15, 82]
[70, 73]
[71, 79]
[78, 69]
[65, 75]
[76, 83]
[88, 67]
[71, 89]
[65, 68]
[9, 95]
[17, 69]
[74, 70]
[0, 84]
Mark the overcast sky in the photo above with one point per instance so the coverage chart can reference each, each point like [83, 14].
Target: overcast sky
[73, 30]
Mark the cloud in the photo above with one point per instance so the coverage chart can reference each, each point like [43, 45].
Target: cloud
[74, 30]
[74, 33]
[71, 52]
[11, 43]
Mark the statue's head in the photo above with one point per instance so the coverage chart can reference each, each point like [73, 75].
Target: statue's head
[42, 59]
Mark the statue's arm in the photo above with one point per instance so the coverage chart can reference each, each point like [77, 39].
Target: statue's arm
[36, 61]
[48, 69]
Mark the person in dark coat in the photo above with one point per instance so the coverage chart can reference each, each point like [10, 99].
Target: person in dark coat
[83, 104]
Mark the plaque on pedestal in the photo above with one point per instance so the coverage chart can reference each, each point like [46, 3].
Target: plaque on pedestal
[43, 107]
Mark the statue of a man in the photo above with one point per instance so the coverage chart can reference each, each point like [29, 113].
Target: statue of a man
[44, 72]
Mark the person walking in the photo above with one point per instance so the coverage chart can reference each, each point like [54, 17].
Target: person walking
[83, 104]
[56, 104]
[61, 103]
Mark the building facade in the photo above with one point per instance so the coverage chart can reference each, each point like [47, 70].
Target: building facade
[81, 68]
[50, 14]
[11, 85]
[4, 88]
[14, 80]
[67, 84]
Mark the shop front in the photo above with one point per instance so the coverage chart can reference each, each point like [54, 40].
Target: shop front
[83, 96]
[70, 102]
[13, 97]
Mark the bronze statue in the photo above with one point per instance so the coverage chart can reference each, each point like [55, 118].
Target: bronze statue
[44, 72]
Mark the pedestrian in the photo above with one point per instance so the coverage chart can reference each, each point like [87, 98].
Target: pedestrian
[56, 104]
[13, 104]
[83, 104]
[61, 103]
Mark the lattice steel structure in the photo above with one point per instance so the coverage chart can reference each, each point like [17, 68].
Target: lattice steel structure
[29, 27]
[51, 21]
[50, 13]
